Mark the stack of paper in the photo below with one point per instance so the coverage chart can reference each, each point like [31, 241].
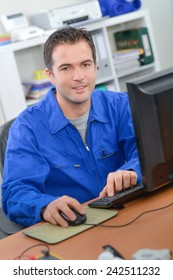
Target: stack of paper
[127, 59]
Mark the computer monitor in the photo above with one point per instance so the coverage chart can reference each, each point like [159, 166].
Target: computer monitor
[151, 102]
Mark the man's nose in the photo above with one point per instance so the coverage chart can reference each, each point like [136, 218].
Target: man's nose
[78, 74]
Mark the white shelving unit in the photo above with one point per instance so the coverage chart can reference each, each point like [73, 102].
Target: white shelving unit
[19, 60]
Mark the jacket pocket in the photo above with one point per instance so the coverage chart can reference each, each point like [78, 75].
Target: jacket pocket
[109, 161]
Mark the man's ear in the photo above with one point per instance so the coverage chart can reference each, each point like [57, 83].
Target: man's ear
[49, 75]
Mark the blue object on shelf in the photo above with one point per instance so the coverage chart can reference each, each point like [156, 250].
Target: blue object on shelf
[118, 7]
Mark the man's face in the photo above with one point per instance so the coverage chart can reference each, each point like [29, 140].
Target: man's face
[73, 73]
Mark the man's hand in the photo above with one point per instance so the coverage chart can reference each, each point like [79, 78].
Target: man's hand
[51, 211]
[117, 181]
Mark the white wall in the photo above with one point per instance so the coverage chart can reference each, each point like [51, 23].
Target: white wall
[161, 13]
[31, 6]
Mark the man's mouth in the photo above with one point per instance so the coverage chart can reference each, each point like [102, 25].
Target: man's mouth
[79, 88]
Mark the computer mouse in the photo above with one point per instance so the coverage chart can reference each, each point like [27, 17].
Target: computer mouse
[80, 219]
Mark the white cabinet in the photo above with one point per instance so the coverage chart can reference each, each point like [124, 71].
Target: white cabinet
[19, 60]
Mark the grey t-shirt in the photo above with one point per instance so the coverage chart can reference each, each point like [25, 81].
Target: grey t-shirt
[81, 124]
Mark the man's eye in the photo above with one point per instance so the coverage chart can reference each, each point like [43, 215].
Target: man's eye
[87, 64]
[64, 68]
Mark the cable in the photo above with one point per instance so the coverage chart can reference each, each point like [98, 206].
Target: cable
[140, 215]
[29, 256]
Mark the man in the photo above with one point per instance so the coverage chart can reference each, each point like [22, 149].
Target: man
[76, 144]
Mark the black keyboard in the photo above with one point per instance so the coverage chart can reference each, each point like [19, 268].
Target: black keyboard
[119, 198]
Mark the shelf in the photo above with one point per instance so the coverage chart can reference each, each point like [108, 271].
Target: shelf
[30, 102]
[134, 70]
[112, 21]
[105, 80]
[16, 46]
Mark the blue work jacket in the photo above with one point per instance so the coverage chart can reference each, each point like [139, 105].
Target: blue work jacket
[47, 158]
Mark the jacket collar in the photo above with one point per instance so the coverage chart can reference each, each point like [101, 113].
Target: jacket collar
[98, 110]
[56, 118]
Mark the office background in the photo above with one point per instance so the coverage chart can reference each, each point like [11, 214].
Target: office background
[161, 13]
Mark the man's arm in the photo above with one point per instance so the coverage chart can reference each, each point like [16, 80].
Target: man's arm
[25, 173]
[129, 174]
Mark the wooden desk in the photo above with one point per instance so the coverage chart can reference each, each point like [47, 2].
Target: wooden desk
[153, 230]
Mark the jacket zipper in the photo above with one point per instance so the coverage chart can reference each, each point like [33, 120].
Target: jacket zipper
[86, 146]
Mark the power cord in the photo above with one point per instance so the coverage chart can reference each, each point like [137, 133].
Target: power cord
[46, 254]
[132, 221]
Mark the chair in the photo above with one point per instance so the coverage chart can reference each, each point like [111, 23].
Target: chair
[4, 129]
[7, 227]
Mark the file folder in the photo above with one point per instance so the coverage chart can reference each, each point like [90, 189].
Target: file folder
[103, 55]
[99, 69]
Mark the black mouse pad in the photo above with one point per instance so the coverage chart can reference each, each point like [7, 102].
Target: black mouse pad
[53, 234]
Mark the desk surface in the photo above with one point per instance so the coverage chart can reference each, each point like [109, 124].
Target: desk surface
[153, 230]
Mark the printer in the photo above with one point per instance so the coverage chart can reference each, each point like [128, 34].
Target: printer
[18, 26]
[25, 33]
[56, 18]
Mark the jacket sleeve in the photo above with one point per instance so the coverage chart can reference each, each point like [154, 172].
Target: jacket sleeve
[25, 173]
[127, 139]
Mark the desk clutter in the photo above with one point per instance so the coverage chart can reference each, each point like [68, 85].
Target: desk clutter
[110, 253]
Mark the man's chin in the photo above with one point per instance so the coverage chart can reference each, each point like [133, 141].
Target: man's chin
[80, 101]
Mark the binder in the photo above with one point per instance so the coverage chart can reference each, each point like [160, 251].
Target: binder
[102, 56]
[98, 62]
[135, 38]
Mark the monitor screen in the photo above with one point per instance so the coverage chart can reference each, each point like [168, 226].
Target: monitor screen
[151, 102]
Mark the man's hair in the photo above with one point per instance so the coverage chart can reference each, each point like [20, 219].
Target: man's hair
[66, 35]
